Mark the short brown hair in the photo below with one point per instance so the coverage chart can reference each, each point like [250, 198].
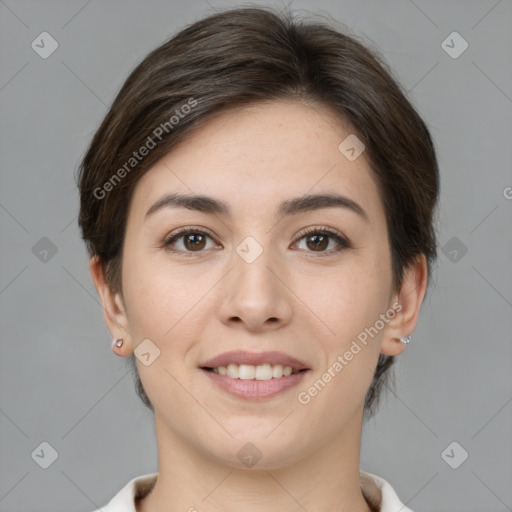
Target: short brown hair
[243, 56]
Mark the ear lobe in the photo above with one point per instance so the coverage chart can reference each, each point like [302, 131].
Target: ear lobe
[410, 297]
[113, 307]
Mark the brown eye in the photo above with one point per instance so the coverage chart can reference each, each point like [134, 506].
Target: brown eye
[318, 240]
[192, 239]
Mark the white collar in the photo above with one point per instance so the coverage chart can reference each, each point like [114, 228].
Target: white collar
[377, 491]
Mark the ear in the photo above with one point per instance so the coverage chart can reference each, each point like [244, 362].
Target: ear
[409, 300]
[114, 310]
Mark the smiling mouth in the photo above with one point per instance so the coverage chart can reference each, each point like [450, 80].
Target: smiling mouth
[251, 372]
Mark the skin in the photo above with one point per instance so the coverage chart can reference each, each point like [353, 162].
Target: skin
[293, 298]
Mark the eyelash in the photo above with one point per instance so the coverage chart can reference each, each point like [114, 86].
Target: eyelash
[324, 230]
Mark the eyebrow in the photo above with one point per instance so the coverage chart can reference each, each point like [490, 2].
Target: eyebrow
[294, 206]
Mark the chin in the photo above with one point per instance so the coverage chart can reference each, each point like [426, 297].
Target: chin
[262, 448]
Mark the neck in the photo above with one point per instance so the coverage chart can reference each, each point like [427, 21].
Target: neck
[327, 479]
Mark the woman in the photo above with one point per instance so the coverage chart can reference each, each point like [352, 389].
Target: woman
[258, 206]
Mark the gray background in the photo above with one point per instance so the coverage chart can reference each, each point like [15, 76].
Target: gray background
[60, 382]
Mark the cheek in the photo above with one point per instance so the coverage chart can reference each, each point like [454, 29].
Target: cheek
[162, 300]
[347, 299]
[357, 299]
[350, 305]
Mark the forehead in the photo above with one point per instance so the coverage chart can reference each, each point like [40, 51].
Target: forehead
[253, 157]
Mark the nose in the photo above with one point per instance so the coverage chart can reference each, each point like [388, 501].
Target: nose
[256, 295]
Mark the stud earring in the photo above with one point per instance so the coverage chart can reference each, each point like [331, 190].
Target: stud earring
[118, 343]
[405, 340]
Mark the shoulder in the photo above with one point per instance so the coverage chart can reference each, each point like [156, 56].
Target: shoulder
[379, 494]
[124, 500]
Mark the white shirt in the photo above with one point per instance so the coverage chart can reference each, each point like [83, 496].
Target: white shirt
[377, 491]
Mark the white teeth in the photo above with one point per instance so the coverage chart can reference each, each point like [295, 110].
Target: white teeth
[250, 372]
[263, 372]
[232, 371]
[277, 371]
[246, 372]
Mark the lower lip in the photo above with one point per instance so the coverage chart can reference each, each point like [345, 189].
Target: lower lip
[255, 389]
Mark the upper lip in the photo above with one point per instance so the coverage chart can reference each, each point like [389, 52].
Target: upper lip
[254, 359]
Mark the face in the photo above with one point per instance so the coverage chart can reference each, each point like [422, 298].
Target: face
[277, 283]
